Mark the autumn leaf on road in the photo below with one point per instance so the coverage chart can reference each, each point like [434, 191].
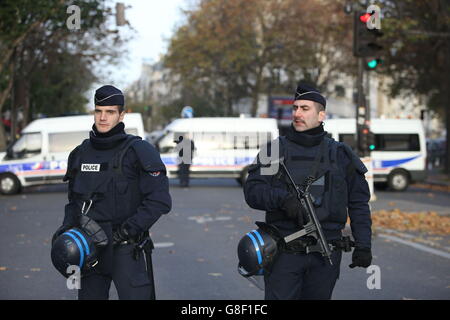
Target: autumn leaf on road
[425, 221]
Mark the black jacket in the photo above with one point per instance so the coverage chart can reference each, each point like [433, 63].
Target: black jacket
[143, 179]
[261, 192]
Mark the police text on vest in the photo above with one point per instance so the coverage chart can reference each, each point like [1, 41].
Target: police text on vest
[90, 167]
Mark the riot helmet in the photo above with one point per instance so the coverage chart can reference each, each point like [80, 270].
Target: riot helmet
[257, 250]
[78, 246]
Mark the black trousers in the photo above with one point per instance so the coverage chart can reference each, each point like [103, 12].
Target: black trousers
[130, 277]
[183, 174]
[302, 277]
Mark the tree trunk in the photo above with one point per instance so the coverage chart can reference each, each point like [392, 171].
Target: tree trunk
[2, 138]
[3, 96]
[447, 153]
[255, 99]
[445, 91]
[255, 96]
[22, 99]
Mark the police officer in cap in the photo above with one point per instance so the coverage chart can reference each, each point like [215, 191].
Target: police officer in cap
[185, 155]
[339, 190]
[119, 181]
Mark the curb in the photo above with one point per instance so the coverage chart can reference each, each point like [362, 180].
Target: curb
[436, 185]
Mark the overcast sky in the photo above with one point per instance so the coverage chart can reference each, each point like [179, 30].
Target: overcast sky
[154, 21]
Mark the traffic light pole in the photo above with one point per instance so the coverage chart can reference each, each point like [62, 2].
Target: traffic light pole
[362, 110]
[361, 97]
[364, 45]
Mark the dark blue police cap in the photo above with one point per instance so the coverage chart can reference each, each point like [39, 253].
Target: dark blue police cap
[109, 96]
[306, 92]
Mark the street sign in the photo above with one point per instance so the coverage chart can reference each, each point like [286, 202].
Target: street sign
[187, 112]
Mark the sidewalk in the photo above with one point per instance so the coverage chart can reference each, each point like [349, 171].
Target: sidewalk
[436, 180]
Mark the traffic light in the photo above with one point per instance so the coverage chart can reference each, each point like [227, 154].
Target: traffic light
[363, 139]
[366, 140]
[365, 40]
[372, 63]
[371, 141]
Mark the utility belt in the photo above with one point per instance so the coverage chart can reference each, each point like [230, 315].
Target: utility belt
[142, 243]
[308, 244]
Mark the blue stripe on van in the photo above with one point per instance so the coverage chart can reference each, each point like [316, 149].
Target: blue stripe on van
[212, 161]
[397, 162]
[33, 166]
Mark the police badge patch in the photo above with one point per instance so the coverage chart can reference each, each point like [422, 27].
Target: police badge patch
[90, 167]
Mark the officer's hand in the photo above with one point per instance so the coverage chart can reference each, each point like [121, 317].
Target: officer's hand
[294, 210]
[361, 257]
[59, 232]
[122, 233]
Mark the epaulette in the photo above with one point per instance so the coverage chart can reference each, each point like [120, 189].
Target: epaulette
[356, 162]
[148, 156]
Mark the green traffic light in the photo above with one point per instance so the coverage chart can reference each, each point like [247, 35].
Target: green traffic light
[372, 64]
[372, 147]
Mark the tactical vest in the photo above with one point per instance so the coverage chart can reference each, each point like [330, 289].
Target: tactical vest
[100, 184]
[329, 190]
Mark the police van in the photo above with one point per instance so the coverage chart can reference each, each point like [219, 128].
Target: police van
[224, 147]
[40, 155]
[399, 156]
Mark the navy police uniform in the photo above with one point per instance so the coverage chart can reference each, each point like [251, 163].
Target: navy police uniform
[184, 168]
[119, 181]
[339, 191]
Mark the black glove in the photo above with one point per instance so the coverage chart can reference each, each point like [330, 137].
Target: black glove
[361, 257]
[123, 233]
[294, 210]
[94, 230]
[60, 231]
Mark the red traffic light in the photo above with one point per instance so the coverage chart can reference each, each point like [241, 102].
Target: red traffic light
[365, 17]
[365, 131]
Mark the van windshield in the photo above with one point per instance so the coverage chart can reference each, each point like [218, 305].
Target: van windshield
[166, 143]
[65, 141]
[27, 145]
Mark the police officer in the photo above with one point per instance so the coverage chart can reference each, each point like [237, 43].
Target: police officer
[185, 156]
[120, 182]
[339, 186]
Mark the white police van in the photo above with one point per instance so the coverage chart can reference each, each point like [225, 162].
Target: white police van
[224, 147]
[40, 155]
[400, 153]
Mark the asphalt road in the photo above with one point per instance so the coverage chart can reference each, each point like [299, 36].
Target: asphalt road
[195, 256]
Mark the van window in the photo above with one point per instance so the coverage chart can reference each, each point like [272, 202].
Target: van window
[348, 139]
[28, 145]
[232, 140]
[66, 141]
[397, 142]
[387, 142]
[218, 140]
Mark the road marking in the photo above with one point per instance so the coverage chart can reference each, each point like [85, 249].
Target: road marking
[203, 219]
[163, 244]
[417, 246]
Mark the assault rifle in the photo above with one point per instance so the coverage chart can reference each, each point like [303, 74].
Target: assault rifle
[313, 227]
